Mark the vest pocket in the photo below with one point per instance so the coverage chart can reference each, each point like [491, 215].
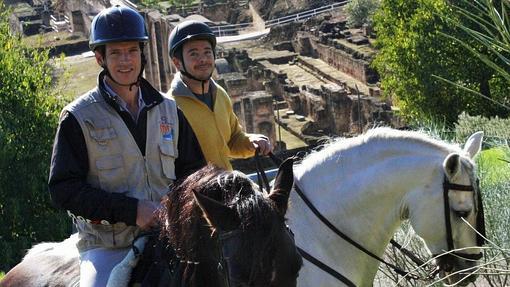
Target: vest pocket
[167, 154]
[101, 131]
[111, 173]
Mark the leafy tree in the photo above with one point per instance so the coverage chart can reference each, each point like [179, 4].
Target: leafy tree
[414, 55]
[28, 118]
[360, 12]
[485, 23]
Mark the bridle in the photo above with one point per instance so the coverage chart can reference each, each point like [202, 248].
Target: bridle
[227, 242]
[227, 273]
[480, 221]
[447, 186]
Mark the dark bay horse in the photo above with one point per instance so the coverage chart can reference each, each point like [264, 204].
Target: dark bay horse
[223, 230]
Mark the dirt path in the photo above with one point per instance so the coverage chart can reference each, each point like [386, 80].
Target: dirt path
[258, 23]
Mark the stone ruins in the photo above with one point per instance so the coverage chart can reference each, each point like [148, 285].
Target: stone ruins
[313, 77]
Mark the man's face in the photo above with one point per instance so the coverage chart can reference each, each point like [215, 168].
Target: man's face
[198, 57]
[123, 60]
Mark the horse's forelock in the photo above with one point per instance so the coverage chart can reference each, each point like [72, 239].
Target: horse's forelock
[182, 216]
[260, 222]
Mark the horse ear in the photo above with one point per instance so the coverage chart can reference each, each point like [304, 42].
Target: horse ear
[217, 214]
[282, 186]
[451, 165]
[474, 144]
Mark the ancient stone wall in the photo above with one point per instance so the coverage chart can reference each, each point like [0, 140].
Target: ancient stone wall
[308, 44]
[218, 12]
[82, 12]
[253, 107]
[258, 113]
[335, 111]
[79, 23]
[159, 68]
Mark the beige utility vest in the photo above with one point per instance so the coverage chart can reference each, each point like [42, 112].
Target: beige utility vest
[116, 163]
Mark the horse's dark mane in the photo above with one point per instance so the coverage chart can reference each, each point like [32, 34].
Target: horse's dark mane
[188, 232]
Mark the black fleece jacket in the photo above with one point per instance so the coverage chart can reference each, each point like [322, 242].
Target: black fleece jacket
[68, 187]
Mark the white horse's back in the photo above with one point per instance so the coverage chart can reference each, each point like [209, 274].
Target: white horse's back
[366, 186]
[47, 264]
[66, 248]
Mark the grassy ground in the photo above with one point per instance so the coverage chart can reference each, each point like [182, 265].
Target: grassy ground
[289, 139]
[52, 39]
[76, 75]
[494, 163]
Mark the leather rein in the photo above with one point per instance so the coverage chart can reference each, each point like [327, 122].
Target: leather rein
[447, 186]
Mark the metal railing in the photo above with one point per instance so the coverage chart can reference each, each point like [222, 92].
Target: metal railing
[60, 23]
[230, 29]
[304, 15]
[234, 29]
[270, 174]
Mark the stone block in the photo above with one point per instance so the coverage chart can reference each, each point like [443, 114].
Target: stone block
[358, 40]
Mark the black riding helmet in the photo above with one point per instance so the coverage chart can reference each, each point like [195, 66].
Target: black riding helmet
[187, 31]
[118, 24]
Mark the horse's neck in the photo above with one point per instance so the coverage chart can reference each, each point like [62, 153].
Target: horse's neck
[362, 192]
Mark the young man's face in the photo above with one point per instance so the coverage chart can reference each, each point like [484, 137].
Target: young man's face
[198, 57]
[123, 60]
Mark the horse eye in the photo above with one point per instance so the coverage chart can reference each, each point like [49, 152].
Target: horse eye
[462, 213]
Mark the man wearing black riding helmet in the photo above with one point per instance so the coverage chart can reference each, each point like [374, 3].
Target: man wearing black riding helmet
[118, 148]
[206, 105]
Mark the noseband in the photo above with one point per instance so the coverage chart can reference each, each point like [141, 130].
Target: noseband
[228, 241]
[480, 222]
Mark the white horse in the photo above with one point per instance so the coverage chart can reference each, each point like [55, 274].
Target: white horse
[367, 185]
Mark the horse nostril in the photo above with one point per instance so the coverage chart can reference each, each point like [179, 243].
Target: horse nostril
[463, 213]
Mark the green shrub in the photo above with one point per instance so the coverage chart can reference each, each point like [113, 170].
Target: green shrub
[29, 111]
[496, 130]
[360, 12]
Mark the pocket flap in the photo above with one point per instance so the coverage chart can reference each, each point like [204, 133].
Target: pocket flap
[101, 130]
[167, 149]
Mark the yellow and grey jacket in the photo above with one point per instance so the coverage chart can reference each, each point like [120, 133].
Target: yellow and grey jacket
[116, 164]
[218, 131]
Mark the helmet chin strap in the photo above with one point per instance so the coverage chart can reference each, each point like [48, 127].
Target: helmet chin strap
[185, 72]
[137, 83]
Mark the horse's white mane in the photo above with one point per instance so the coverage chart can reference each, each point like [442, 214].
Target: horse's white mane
[373, 137]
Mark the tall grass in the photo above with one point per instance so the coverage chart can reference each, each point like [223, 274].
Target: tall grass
[494, 171]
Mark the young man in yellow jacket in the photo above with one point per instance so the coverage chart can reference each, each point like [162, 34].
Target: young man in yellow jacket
[205, 104]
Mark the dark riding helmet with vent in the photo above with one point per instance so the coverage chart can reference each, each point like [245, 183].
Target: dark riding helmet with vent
[117, 24]
[189, 30]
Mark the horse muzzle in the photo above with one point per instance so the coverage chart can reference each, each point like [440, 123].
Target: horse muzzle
[458, 269]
